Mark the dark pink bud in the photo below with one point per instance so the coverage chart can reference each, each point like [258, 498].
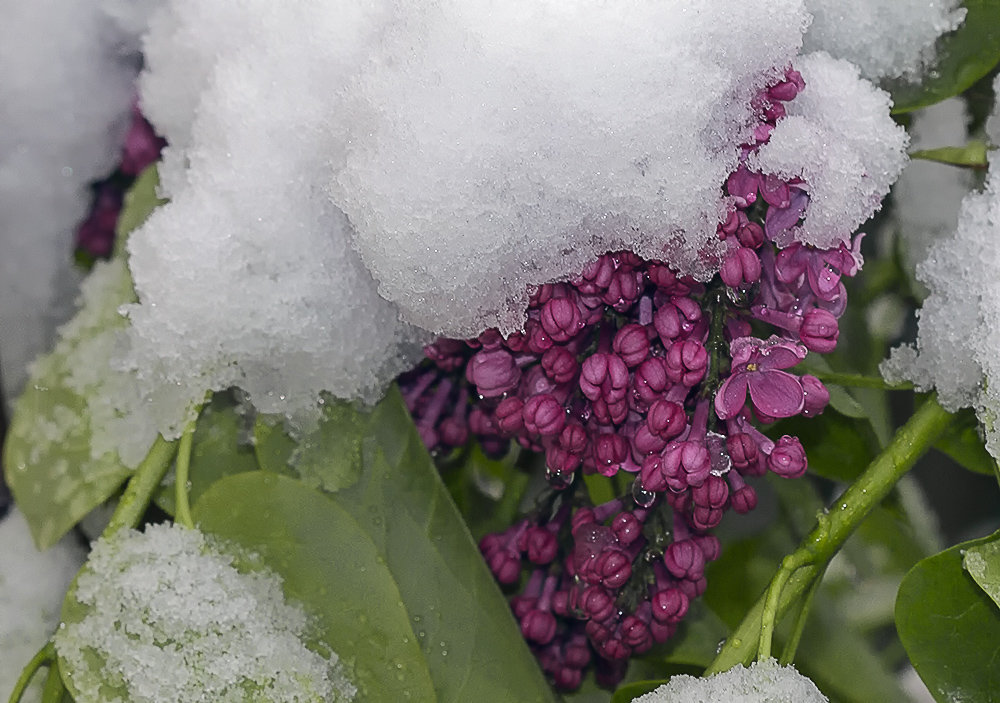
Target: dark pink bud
[447, 354]
[713, 493]
[544, 415]
[610, 450]
[538, 626]
[508, 415]
[605, 377]
[597, 275]
[669, 605]
[541, 545]
[560, 365]
[561, 462]
[705, 518]
[684, 560]
[666, 419]
[613, 648]
[490, 339]
[819, 331]
[627, 528]
[652, 474]
[624, 290]
[661, 276]
[583, 524]
[631, 343]
[742, 451]
[645, 442]
[577, 655]
[729, 226]
[676, 319]
[709, 546]
[453, 432]
[686, 362]
[742, 185]
[609, 413]
[635, 633]
[816, 396]
[539, 340]
[522, 605]
[787, 89]
[597, 603]
[750, 234]
[650, 380]
[788, 458]
[573, 438]
[741, 266]
[613, 568]
[493, 373]
[505, 565]
[744, 500]
[560, 317]
[597, 631]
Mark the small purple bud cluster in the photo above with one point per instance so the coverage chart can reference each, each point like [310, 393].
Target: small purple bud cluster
[95, 236]
[632, 370]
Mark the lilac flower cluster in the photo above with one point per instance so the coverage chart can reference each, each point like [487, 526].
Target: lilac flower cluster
[95, 236]
[630, 370]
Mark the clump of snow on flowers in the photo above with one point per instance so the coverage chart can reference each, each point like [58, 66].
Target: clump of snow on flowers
[884, 38]
[67, 73]
[32, 586]
[959, 323]
[762, 682]
[171, 618]
[476, 148]
[848, 158]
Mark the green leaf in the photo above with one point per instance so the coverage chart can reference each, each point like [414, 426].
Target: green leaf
[950, 628]
[963, 443]
[73, 611]
[216, 451]
[473, 646]
[329, 564]
[963, 57]
[837, 446]
[53, 467]
[983, 564]
[328, 457]
[972, 155]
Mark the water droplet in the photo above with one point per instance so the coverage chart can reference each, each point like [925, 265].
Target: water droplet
[720, 645]
[641, 496]
[717, 454]
[559, 480]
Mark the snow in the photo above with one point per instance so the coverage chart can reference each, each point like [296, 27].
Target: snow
[67, 75]
[885, 38]
[32, 586]
[762, 682]
[347, 182]
[839, 137]
[172, 619]
[959, 323]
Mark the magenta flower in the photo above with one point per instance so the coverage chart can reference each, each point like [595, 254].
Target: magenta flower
[757, 368]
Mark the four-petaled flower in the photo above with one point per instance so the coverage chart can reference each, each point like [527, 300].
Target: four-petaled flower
[757, 368]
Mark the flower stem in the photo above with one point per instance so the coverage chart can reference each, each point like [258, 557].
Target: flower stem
[141, 486]
[45, 655]
[54, 687]
[182, 506]
[792, 645]
[800, 569]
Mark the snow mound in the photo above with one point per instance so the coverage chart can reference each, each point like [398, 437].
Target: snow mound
[763, 682]
[172, 619]
[885, 38]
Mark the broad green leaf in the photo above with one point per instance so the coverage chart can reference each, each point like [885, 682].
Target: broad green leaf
[962, 442]
[73, 611]
[972, 155]
[53, 466]
[329, 564]
[216, 451]
[473, 646]
[950, 628]
[983, 564]
[963, 57]
[328, 457]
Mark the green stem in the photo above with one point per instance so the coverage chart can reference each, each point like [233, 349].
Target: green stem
[54, 687]
[45, 655]
[142, 485]
[833, 528]
[182, 506]
[769, 617]
[856, 380]
[792, 645]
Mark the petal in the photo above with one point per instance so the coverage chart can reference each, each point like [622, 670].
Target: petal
[732, 395]
[776, 393]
